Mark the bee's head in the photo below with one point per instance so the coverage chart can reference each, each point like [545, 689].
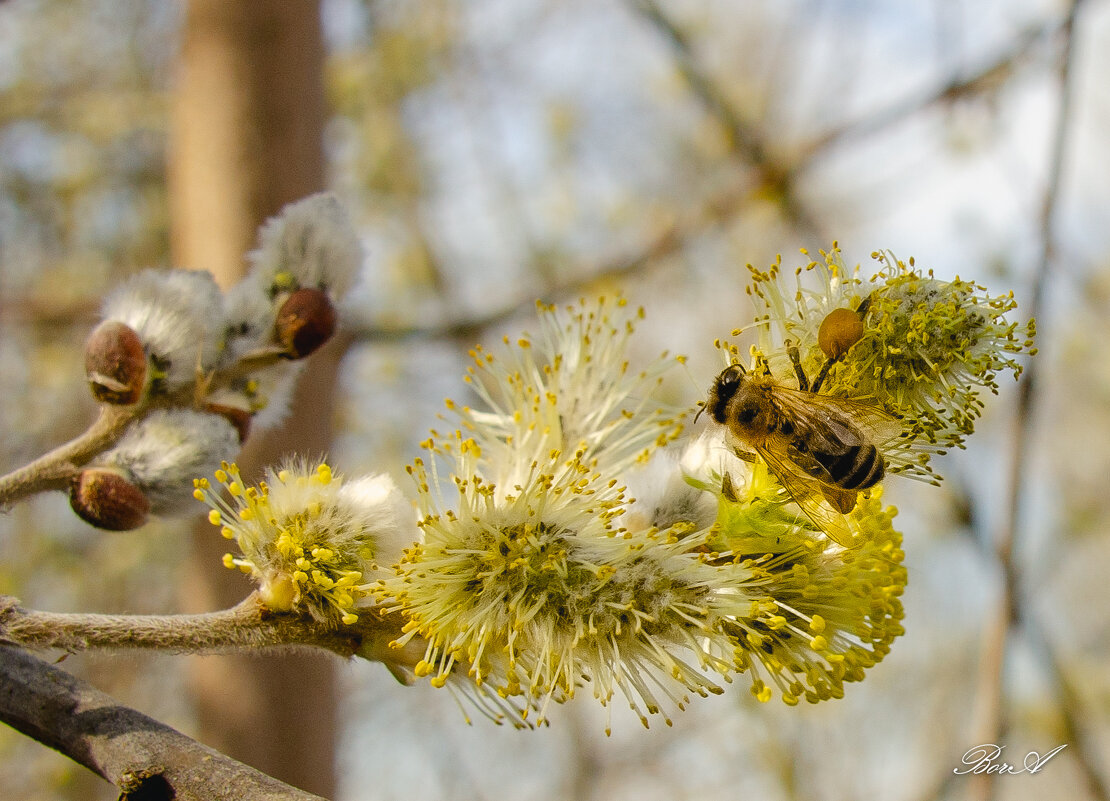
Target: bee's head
[725, 386]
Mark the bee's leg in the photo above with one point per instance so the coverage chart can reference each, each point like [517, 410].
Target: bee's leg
[728, 491]
[745, 456]
[792, 352]
[821, 376]
[861, 310]
[863, 306]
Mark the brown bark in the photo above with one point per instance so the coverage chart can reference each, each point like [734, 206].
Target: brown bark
[142, 757]
[246, 139]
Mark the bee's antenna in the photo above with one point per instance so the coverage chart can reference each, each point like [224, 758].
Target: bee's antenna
[701, 408]
[864, 306]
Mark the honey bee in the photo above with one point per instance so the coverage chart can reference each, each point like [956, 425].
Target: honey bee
[824, 450]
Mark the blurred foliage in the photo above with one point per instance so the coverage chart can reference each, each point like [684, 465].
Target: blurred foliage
[494, 152]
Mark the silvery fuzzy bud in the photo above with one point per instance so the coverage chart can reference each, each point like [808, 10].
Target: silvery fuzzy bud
[305, 321]
[177, 315]
[375, 504]
[105, 498]
[663, 497]
[249, 313]
[167, 449]
[115, 363]
[312, 244]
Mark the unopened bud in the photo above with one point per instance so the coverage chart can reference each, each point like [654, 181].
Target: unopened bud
[107, 500]
[238, 417]
[840, 330]
[305, 322]
[115, 363]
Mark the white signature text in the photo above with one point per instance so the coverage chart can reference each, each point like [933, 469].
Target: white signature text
[986, 759]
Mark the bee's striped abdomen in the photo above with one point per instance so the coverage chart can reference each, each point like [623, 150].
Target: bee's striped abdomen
[857, 468]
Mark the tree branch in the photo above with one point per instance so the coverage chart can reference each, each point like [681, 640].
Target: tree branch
[144, 758]
[665, 242]
[248, 626]
[53, 470]
[1087, 748]
[991, 724]
[744, 139]
[983, 80]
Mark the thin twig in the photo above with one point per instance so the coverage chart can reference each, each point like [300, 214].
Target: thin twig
[247, 626]
[992, 722]
[1087, 750]
[744, 138]
[666, 242]
[53, 470]
[986, 79]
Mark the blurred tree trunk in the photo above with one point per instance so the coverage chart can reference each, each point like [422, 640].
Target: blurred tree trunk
[246, 138]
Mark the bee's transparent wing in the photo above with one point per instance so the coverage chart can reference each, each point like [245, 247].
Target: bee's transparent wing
[809, 493]
[819, 412]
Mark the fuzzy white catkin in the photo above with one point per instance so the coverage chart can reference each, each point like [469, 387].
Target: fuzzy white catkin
[178, 315]
[375, 504]
[250, 318]
[662, 495]
[311, 244]
[167, 449]
[709, 454]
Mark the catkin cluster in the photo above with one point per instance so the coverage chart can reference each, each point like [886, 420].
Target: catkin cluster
[571, 533]
[191, 370]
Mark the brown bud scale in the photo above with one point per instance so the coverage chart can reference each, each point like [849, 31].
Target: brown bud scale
[305, 321]
[104, 498]
[115, 363]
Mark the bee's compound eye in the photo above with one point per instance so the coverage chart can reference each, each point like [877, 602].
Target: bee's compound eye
[731, 376]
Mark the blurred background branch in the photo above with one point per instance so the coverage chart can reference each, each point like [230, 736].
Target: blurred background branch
[495, 153]
[1012, 616]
